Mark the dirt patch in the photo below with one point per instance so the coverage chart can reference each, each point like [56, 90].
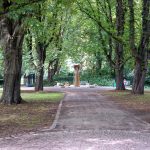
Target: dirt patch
[27, 117]
[138, 105]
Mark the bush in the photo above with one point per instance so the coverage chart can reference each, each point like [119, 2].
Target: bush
[99, 80]
[147, 81]
[91, 79]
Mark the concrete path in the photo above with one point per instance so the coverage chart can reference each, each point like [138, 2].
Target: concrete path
[86, 121]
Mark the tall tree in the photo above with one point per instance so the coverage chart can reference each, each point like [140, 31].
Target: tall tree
[52, 28]
[12, 15]
[140, 52]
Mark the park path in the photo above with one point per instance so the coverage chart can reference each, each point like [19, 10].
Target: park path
[90, 110]
[87, 121]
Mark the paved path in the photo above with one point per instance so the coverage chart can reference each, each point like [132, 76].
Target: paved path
[87, 121]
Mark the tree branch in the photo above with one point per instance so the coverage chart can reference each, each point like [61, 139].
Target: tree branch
[98, 22]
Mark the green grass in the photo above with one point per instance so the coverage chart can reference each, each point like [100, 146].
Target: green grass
[126, 95]
[38, 96]
[41, 96]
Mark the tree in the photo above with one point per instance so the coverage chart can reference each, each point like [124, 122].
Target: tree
[140, 52]
[12, 34]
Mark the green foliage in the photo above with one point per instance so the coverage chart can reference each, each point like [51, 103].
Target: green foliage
[101, 81]
[98, 80]
[63, 79]
[147, 80]
[1, 64]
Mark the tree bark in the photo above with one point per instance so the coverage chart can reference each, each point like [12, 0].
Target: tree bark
[119, 73]
[52, 69]
[99, 61]
[139, 78]
[41, 55]
[12, 39]
[120, 13]
[50, 74]
[39, 80]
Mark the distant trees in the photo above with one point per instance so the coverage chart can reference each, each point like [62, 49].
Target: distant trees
[102, 13]
[106, 17]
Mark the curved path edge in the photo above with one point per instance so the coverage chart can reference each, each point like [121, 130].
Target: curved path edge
[54, 124]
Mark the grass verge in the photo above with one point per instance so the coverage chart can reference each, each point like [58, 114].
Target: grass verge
[37, 113]
[137, 104]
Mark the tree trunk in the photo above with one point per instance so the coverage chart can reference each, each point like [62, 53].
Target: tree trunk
[119, 71]
[139, 79]
[120, 79]
[12, 46]
[120, 13]
[52, 69]
[99, 61]
[41, 55]
[50, 74]
[39, 80]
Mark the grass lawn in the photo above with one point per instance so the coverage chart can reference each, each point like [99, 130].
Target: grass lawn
[41, 96]
[138, 104]
[38, 112]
